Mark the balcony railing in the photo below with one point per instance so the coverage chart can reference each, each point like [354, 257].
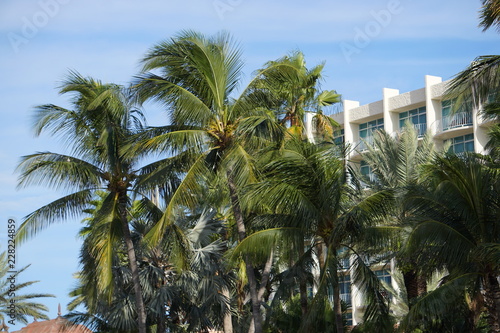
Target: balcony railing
[421, 128]
[457, 120]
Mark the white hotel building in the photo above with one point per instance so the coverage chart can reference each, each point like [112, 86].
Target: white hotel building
[426, 109]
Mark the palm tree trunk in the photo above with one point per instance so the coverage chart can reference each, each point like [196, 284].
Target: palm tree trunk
[141, 310]
[227, 320]
[303, 296]
[415, 285]
[421, 284]
[411, 285]
[252, 281]
[492, 301]
[160, 326]
[302, 286]
[476, 306]
[337, 305]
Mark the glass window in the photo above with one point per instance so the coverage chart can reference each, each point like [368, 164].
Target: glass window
[345, 288]
[366, 129]
[384, 275]
[463, 143]
[338, 137]
[348, 318]
[417, 117]
[343, 255]
[366, 171]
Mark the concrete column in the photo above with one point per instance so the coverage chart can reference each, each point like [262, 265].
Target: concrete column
[348, 128]
[390, 118]
[480, 133]
[432, 107]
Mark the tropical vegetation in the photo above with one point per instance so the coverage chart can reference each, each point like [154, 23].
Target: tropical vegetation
[237, 216]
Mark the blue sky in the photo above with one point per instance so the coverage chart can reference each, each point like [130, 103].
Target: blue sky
[367, 45]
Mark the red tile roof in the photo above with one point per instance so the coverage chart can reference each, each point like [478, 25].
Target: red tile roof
[57, 325]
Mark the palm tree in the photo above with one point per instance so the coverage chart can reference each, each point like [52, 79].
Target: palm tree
[395, 162]
[293, 90]
[196, 77]
[460, 232]
[97, 130]
[307, 186]
[13, 303]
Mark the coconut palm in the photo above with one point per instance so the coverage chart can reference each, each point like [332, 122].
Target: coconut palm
[15, 305]
[395, 162]
[459, 230]
[293, 90]
[194, 76]
[97, 131]
[307, 186]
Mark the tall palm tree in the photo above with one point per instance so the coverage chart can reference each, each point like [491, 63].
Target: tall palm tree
[97, 131]
[307, 186]
[460, 231]
[395, 162]
[194, 76]
[14, 304]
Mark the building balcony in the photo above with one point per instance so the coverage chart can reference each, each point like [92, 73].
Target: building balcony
[458, 120]
[421, 129]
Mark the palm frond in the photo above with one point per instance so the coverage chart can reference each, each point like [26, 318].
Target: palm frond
[183, 197]
[67, 207]
[259, 244]
[433, 305]
[58, 171]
